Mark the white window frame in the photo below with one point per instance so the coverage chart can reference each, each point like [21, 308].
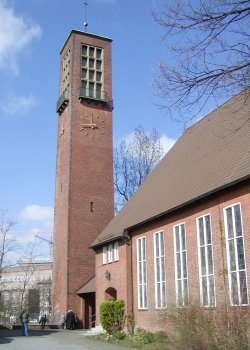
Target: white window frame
[142, 274]
[110, 253]
[160, 270]
[181, 279]
[237, 271]
[207, 275]
[104, 255]
[116, 251]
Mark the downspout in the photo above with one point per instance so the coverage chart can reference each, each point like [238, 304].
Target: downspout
[128, 240]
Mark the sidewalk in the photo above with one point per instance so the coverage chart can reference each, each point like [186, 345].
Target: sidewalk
[51, 340]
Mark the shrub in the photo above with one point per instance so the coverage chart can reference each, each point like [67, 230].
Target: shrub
[197, 328]
[112, 316]
[144, 337]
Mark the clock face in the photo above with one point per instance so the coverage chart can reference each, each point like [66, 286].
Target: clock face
[92, 125]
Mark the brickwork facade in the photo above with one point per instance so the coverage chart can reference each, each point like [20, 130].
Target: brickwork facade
[150, 317]
[84, 175]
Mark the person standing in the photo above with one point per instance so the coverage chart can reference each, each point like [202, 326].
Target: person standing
[62, 320]
[25, 320]
[70, 319]
[43, 321]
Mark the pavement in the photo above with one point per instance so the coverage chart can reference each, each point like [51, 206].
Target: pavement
[52, 339]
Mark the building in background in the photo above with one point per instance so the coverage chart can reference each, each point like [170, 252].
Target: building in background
[185, 233]
[26, 286]
[84, 196]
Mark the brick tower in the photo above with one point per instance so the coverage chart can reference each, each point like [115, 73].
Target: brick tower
[84, 201]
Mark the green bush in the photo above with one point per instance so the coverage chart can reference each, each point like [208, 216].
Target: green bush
[112, 316]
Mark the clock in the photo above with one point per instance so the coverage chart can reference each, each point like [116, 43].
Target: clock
[92, 125]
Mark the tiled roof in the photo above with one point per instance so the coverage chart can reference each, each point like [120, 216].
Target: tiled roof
[212, 154]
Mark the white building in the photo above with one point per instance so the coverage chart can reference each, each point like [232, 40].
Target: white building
[29, 286]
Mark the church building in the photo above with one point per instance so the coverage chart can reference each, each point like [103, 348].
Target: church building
[185, 234]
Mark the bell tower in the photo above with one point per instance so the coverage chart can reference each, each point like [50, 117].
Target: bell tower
[84, 197]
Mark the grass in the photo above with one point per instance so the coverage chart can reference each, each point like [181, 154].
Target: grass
[141, 341]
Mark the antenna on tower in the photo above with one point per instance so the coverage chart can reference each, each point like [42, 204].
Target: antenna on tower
[85, 23]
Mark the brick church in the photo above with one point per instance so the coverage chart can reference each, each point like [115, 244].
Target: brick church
[165, 246]
[185, 234]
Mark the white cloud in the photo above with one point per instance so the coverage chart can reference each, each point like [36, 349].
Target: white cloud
[33, 212]
[167, 143]
[14, 105]
[16, 33]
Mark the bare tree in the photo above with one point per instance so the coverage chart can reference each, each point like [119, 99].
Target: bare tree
[134, 159]
[210, 46]
[7, 243]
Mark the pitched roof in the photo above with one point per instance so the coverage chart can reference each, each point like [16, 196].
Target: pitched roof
[212, 154]
[88, 287]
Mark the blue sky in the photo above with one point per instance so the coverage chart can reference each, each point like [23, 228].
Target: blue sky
[32, 33]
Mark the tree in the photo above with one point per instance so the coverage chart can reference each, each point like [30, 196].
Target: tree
[134, 159]
[210, 46]
[7, 244]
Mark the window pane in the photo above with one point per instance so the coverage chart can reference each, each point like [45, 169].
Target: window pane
[84, 73]
[232, 255]
[143, 249]
[91, 75]
[234, 288]
[184, 264]
[185, 291]
[144, 272]
[201, 231]
[204, 291]
[178, 262]
[211, 290]
[139, 250]
[99, 65]
[84, 83]
[238, 225]
[203, 261]
[84, 61]
[91, 89]
[91, 51]
[241, 258]
[162, 243]
[177, 240]
[158, 286]
[243, 288]
[84, 50]
[158, 270]
[179, 290]
[163, 294]
[145, 296]
[163, 269]
[183, 238]
[140, 272]
[229, 222]
[91, 63]
[210, 259]
[208, 229]
[98, 76]
[99, 53]
[140, 296]
[157, 244]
